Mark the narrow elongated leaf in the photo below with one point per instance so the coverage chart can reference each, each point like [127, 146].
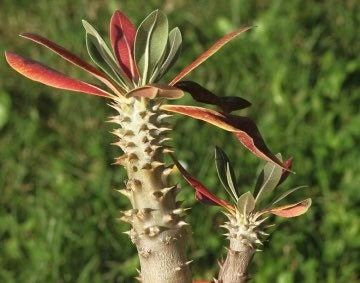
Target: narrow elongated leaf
[292, 210]
[174, 46]
[70, 57]
[243, 128]
[122, 36]
[201, 94]
[269, 178]
[150, 43]
[152, 91]
[202, 191]
[40, 73]
[204, 56]
[101, 54]
[233, 103]
[285, 173]
[285, 194]
[231, 180]
[246, 203]
[226, 173]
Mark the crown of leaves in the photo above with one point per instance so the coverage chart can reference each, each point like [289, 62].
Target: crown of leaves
[134, 66]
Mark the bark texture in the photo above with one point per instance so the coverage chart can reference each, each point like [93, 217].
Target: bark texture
[238, 259]
[157, 225]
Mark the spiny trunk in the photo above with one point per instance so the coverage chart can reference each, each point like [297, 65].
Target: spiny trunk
[235, 267]
[157, 226]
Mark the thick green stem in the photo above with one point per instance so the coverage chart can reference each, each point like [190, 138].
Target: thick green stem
[157, 226]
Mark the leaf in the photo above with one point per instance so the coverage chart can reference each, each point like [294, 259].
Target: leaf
[40, 73]
[152, 91]
[122, 36]
[70, 57]
[285, 194]
[285, 173]
[212, 50]
[292, 210]
[201, 190]
[231, 179]
[246, 203]
[243, 128]
[233, 103]
[175, 41]
[268, 180]
[101, 55]
[201, 94]
[150, 43]
[222, 162]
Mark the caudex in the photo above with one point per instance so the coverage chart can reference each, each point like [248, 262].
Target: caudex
[131, 75]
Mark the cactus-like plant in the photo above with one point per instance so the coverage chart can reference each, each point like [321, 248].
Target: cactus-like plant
[246, 215]
[131, 73]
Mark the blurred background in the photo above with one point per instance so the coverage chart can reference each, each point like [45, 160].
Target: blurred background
[301, 70]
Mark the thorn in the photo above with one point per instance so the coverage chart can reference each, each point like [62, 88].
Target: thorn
[125, 192]
[167, 150]
[167, 171]
[165, 191]
[162, 117]
[121, 160]
[156, 164]
[182, 224]
[179, 211]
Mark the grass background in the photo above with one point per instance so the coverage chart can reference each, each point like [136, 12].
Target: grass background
[300, 67]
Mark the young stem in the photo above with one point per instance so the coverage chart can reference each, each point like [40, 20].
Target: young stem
[235, 267]
[157, 225]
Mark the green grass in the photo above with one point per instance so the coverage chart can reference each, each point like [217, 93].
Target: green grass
[300, 67]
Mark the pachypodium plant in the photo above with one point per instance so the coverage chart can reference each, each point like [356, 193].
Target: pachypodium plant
[246, 213]
[130, 73]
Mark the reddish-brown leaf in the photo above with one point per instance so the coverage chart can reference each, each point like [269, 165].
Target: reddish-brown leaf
[292, 210]
[156, 90]
[204, 56]
[201, 94]
[122, 35]
[243, 128]
[43, 74]
[70, 57]
[202, 193]
[286, 172]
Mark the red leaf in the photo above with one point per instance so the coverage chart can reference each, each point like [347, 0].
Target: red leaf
[70, 57]
[152, 91]
[43, 74]
[243, 128]
[202, 193]
[201, 94]
[292, 210]
[285, 173]
[122, 35]
[204, 56]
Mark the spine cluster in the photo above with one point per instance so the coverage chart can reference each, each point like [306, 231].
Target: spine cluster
[156, 218]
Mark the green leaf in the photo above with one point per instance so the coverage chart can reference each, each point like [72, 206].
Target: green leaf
[268, 179]
[246, 203]
[150, 43]
[175, 41]
[100, 53]
[285, 194]
[226, 172]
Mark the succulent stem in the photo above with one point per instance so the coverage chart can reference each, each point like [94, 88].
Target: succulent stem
[157, 227]
[235, 267]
